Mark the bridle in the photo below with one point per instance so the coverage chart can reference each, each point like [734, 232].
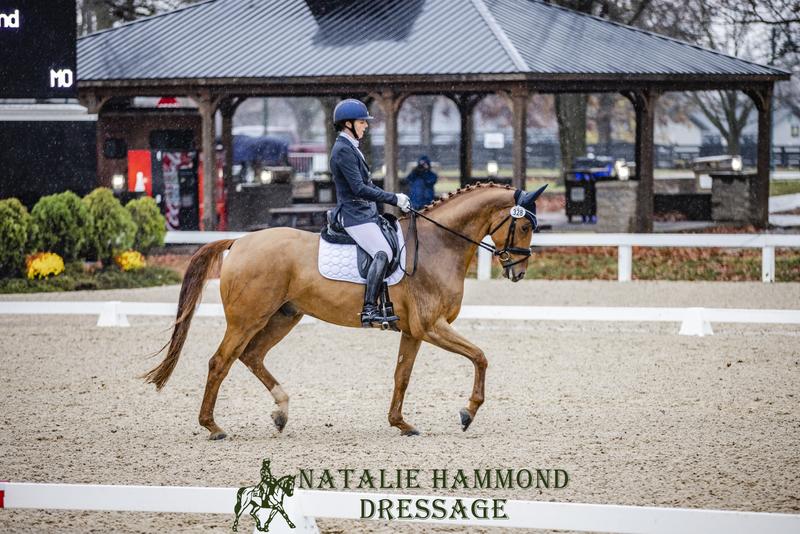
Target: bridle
[504, 255]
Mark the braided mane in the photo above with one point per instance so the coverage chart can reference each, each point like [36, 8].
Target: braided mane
[460, 191]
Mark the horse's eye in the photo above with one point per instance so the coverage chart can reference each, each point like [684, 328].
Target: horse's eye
[526, 228]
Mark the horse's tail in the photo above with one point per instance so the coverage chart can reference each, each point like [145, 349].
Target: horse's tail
[191, 291]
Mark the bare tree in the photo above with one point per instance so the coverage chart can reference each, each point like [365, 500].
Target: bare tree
[306, 111]
[765, 31]
[94, 15]
[674, 18]
[420, 108]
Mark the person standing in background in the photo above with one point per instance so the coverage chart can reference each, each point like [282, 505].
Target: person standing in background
[420, 183]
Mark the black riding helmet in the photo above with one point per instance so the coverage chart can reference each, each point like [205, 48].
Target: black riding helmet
[350, 110]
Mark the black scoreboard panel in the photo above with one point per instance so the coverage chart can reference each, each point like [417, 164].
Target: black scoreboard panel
[37, 49]
[40, 158]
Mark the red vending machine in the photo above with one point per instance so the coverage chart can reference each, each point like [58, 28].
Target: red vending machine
[171, 178]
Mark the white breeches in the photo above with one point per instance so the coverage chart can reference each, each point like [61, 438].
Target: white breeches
[370, 238]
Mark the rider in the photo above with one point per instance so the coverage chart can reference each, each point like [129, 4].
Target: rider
[356, 198]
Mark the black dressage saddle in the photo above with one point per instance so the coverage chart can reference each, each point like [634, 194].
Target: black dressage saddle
[334, 232]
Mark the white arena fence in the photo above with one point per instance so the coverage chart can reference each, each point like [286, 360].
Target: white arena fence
[624, 243]
[306, 506]
[693, 321]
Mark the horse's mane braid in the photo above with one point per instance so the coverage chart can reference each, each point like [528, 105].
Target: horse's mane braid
[460, 191]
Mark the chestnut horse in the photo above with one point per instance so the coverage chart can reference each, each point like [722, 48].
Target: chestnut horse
[269, 280]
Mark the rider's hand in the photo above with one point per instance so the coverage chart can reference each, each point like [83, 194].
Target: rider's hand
[403, 202]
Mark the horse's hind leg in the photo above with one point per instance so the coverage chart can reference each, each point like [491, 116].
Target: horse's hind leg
[220, 363]
[442, 335]
[402, 374]
[276, 329]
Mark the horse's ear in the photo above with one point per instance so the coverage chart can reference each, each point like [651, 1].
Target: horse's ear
[528, 200]
[538, 192]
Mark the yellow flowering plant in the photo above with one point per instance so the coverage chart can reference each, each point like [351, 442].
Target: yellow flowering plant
[44, 264]
[130, 260]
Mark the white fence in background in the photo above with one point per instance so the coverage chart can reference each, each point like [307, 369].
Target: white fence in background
[693, 321]
[305, 506]
[624, 243]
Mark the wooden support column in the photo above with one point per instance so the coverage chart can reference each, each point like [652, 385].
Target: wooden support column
[391, 103]
[759, 191]
[466, 105]
[644, 103]
[207, 105]
[93, 104]
[227, 109]
[328, 104]
[519, 99]
[365, 145]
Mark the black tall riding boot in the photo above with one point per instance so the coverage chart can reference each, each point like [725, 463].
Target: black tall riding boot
[371, 313]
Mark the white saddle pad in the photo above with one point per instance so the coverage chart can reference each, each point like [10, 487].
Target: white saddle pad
[339, 262]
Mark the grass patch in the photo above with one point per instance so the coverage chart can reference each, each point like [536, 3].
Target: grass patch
[784, 187]
[74, 278]
[690, 264]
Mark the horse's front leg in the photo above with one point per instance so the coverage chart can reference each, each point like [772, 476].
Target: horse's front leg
[237, 509]
[409, 347]
[254, 515]
[442, 335]
[285, 515]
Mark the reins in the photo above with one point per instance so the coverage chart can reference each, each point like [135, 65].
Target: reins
[503, 254]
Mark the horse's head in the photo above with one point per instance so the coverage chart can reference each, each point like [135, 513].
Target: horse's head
[286, 483]
[512, 230]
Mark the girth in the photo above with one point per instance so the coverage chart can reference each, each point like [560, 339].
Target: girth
[335, 233]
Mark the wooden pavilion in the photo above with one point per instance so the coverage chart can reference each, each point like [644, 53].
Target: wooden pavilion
[220, 52]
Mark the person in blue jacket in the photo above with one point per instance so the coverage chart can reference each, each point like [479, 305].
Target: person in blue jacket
[420, 183]
[357, 198]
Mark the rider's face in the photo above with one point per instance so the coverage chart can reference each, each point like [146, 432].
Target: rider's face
[360, 126]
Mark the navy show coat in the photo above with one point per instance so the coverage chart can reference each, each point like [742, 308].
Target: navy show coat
[356, 195]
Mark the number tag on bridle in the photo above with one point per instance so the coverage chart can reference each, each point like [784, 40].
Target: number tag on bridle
[518, 212]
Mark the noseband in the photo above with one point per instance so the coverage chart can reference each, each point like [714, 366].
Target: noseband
[504, 254]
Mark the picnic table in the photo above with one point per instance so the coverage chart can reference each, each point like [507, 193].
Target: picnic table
[303, 216]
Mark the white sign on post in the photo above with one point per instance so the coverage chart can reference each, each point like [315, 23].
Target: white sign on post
[494, 140]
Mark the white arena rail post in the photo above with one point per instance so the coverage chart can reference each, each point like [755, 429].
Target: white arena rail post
[112, 315]
[485, 260]
[624, 263]
[768, 264]
[695, 323]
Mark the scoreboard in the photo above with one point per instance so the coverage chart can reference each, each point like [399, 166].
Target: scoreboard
[37, 49]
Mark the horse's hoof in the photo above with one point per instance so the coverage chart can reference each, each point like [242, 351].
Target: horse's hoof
[215, 436]
[280, 419]
[466, 419]
[410, 432]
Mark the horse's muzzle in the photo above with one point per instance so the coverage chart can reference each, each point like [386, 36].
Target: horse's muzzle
[509, 273]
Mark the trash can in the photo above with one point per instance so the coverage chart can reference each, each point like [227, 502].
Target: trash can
[580, 184]
[581, 198]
